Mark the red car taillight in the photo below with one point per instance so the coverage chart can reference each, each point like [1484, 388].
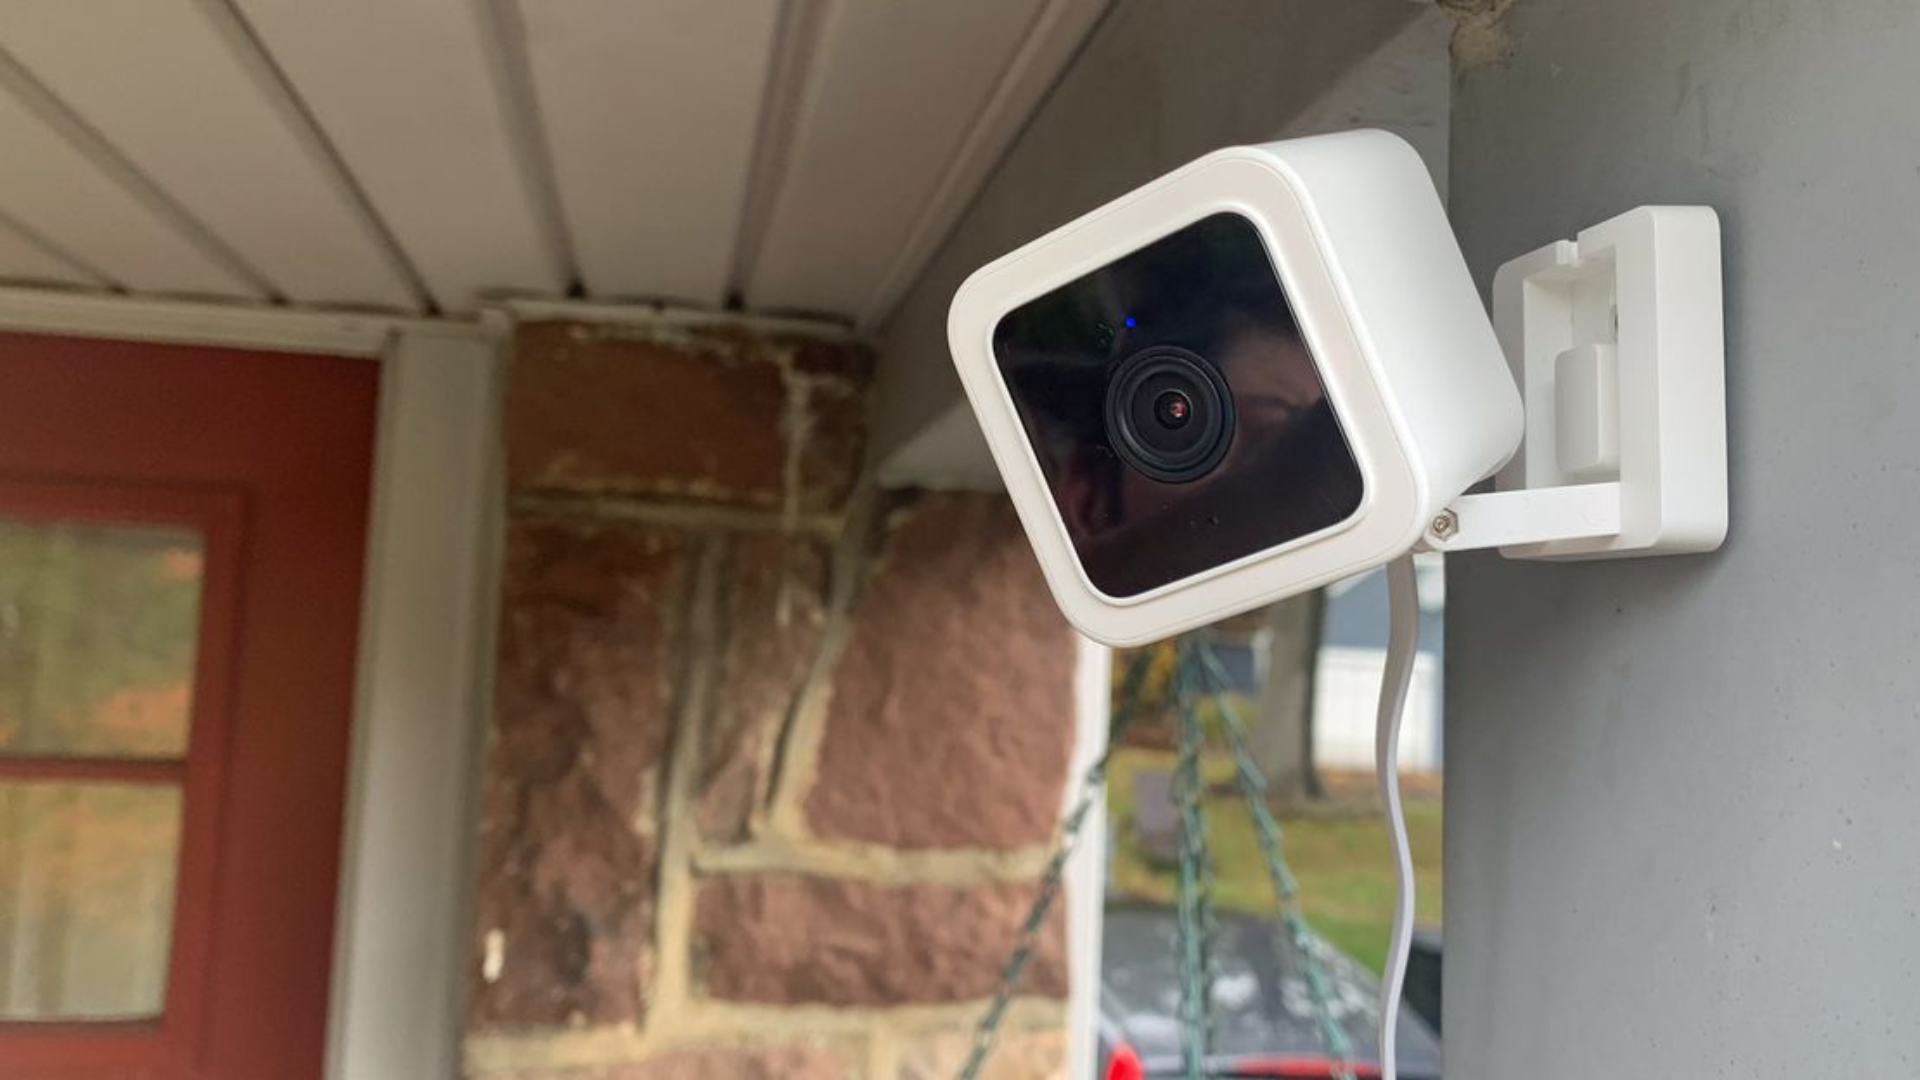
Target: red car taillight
[1124, 1064]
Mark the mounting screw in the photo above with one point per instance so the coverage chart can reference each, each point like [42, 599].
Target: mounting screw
[1445, 527]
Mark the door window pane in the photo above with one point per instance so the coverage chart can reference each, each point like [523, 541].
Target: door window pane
[98, 626]
[86, 898]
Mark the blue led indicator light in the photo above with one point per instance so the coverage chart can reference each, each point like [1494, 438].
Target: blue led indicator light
[1130, 322]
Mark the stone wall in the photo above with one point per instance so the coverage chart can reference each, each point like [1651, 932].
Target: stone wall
[775, 759]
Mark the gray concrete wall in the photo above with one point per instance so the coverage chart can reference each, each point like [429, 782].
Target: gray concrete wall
[1159, 83]
[1683, 834]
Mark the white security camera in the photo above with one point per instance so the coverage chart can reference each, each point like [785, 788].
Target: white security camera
[1259, 374]
[1270, 369]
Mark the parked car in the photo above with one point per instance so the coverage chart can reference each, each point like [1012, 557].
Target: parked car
[1265, 1022]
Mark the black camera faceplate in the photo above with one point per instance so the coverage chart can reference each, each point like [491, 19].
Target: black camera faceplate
[1284, 470]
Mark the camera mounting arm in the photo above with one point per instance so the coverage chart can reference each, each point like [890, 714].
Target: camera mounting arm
[1506, 519]
[1617, 342]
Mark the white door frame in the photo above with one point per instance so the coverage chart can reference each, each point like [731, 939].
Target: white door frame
[424, 657]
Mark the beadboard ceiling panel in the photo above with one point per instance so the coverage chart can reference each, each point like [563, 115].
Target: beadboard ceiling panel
[61, 183]
[651, 113]
[177, 86]
[27, 259]
[421, 155]
[418, 98]
[908, 106]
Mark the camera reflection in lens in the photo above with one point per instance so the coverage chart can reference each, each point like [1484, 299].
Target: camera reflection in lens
[1173, 409]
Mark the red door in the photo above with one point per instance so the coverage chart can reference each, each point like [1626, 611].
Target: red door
[181, 536]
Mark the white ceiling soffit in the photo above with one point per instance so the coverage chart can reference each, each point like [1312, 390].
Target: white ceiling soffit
[648, 107]
[26, 257]
[68, 188]
[420, 100]
[907, 109]
[173, 86]
[799, 155]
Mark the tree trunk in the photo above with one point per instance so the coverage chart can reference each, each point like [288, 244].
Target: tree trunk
[1282, 735]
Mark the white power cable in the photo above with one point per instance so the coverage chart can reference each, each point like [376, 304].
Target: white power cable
[1403, 641]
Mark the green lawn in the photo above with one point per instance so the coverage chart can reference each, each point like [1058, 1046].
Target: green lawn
[1340, 857]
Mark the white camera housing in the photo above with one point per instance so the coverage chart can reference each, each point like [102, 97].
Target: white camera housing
[1363, 259]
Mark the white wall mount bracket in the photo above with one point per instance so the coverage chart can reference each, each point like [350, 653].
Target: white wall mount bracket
[1617, 341]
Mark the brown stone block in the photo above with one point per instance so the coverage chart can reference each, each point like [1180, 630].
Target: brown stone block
[831, 453]
[950, 721]
[566, 862]
[793, 939]
[680, 413]
[773, 614]
[849, 361]
[793, 1062]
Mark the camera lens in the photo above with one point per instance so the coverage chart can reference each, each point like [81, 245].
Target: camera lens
[1169, 414]
[1173, 409]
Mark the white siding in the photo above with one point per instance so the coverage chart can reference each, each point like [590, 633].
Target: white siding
[1346, 699]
